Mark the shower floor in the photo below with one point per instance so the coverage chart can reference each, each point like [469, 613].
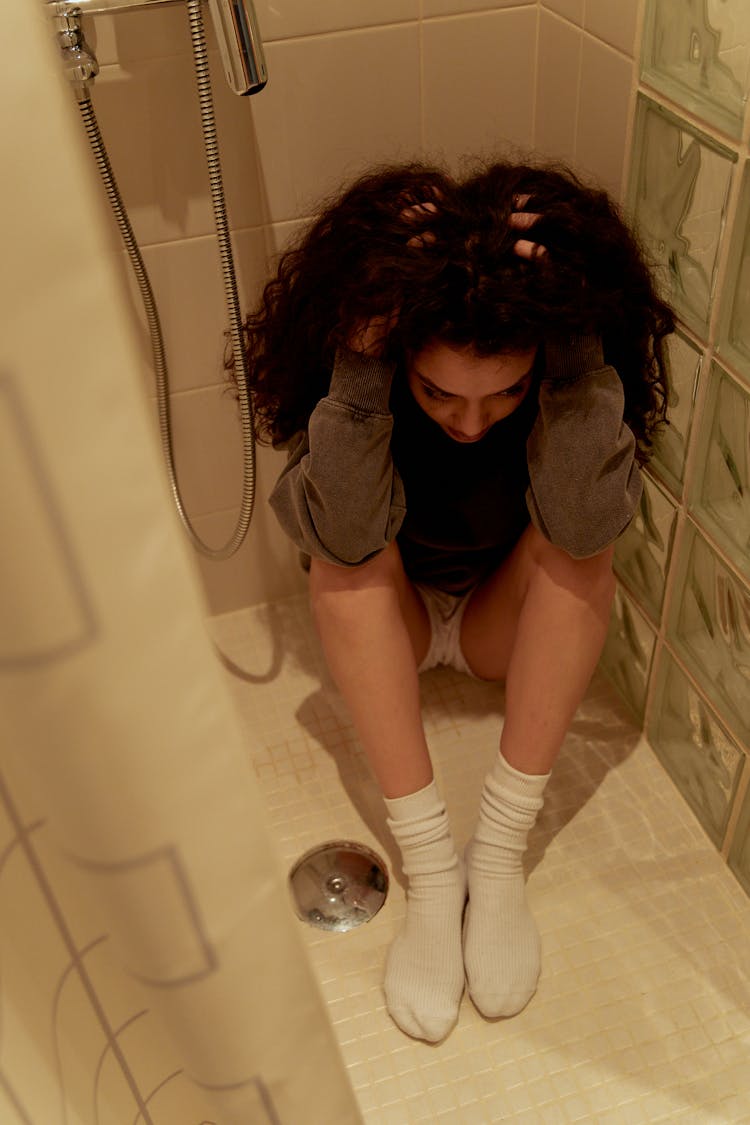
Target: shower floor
[643, 1009]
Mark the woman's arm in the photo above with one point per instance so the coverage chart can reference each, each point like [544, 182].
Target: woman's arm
[584, 482]
[339, 497]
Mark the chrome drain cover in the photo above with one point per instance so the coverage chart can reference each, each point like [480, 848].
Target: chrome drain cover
[338, 885]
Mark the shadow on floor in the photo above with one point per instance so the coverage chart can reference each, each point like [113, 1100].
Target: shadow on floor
[601, 737]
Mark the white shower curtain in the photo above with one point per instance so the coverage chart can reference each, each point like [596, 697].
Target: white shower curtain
[151, 970]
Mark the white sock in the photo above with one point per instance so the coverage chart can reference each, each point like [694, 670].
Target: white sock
[502, 950]
[424, 978]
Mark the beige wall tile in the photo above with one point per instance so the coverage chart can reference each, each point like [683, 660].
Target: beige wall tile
[603, 109]
[140, 35]
[187, 282]
[615, 23]
[266, 567]
[282, 19]
[335, 104]
[207, 445]
[252, 251]
[571, 9]
[279, 236]
[558, 76]
[453, 7]
[479, 83]
[148, 117]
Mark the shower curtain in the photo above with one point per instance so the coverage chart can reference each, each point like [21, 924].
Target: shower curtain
[151, 969]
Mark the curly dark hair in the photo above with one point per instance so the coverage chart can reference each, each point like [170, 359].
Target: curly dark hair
[460, 283]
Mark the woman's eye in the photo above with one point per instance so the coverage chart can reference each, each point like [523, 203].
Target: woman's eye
[512, 392]
[438, 395]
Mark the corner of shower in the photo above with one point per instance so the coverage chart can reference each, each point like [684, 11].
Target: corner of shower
[243, 60]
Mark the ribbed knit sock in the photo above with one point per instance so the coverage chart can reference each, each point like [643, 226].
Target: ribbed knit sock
[424, 978]
[502, 950]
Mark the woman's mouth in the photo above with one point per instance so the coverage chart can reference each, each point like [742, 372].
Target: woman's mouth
[458, 435]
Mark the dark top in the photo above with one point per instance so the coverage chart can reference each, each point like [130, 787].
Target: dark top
[465, 502]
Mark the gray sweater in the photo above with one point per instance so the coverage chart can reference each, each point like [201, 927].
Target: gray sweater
[372, 466]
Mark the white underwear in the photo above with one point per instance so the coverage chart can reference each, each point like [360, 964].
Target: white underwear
[445, 612]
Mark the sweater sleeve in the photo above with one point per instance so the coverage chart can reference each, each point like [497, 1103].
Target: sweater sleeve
[339, 496]
[584, 481]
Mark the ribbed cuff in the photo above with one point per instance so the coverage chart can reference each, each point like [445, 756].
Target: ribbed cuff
[570, 359]
[361, 382]
[523, 784]
[424, 802]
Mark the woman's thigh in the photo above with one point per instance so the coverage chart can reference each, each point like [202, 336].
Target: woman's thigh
[490, 622]
[385, 572]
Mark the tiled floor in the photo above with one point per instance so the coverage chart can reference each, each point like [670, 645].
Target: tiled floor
[643, 1010]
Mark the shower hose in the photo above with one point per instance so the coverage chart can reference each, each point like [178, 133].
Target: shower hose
[200, 56]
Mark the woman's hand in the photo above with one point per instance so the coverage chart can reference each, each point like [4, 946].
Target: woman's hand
[370, 337]
[524, 220]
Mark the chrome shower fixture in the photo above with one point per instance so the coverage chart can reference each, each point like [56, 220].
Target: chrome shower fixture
[235, 24]
[240, 44]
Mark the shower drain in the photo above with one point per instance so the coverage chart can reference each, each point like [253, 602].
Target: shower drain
[338, 885]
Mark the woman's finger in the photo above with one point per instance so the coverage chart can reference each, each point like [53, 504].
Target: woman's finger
[522, 220]
[425, 239]
[418, 210]
[527, 249]
[414, 213]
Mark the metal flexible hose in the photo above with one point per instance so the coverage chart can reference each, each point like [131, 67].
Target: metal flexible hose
[208, 122]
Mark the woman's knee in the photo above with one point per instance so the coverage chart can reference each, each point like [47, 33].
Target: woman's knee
[381, 570]
[592, 576]
[345, 595]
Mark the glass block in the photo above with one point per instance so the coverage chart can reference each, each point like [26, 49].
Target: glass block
[739, 854]
[679, 185]
[670, 447]
[697, 52]
[628, 651]
[643, 550]
[720, 492]
[734, 330]
[702, 759]
[709, 628]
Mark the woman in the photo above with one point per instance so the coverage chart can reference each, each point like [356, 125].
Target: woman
[465, 410]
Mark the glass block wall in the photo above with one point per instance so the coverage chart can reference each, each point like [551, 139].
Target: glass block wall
[679, 643]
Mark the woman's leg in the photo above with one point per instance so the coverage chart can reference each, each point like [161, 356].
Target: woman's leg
[375, 631]
[539, 622]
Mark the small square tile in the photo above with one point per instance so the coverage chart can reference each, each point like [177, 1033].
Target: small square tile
[643, 927]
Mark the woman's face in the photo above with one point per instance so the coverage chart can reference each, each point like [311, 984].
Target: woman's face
[466, 393]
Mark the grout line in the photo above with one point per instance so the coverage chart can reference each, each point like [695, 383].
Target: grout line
[338, 32]
[704, 698]
[741, 792]
[635, 87]
[690, 117]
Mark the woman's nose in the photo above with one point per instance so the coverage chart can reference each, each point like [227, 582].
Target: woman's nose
[471, 420]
